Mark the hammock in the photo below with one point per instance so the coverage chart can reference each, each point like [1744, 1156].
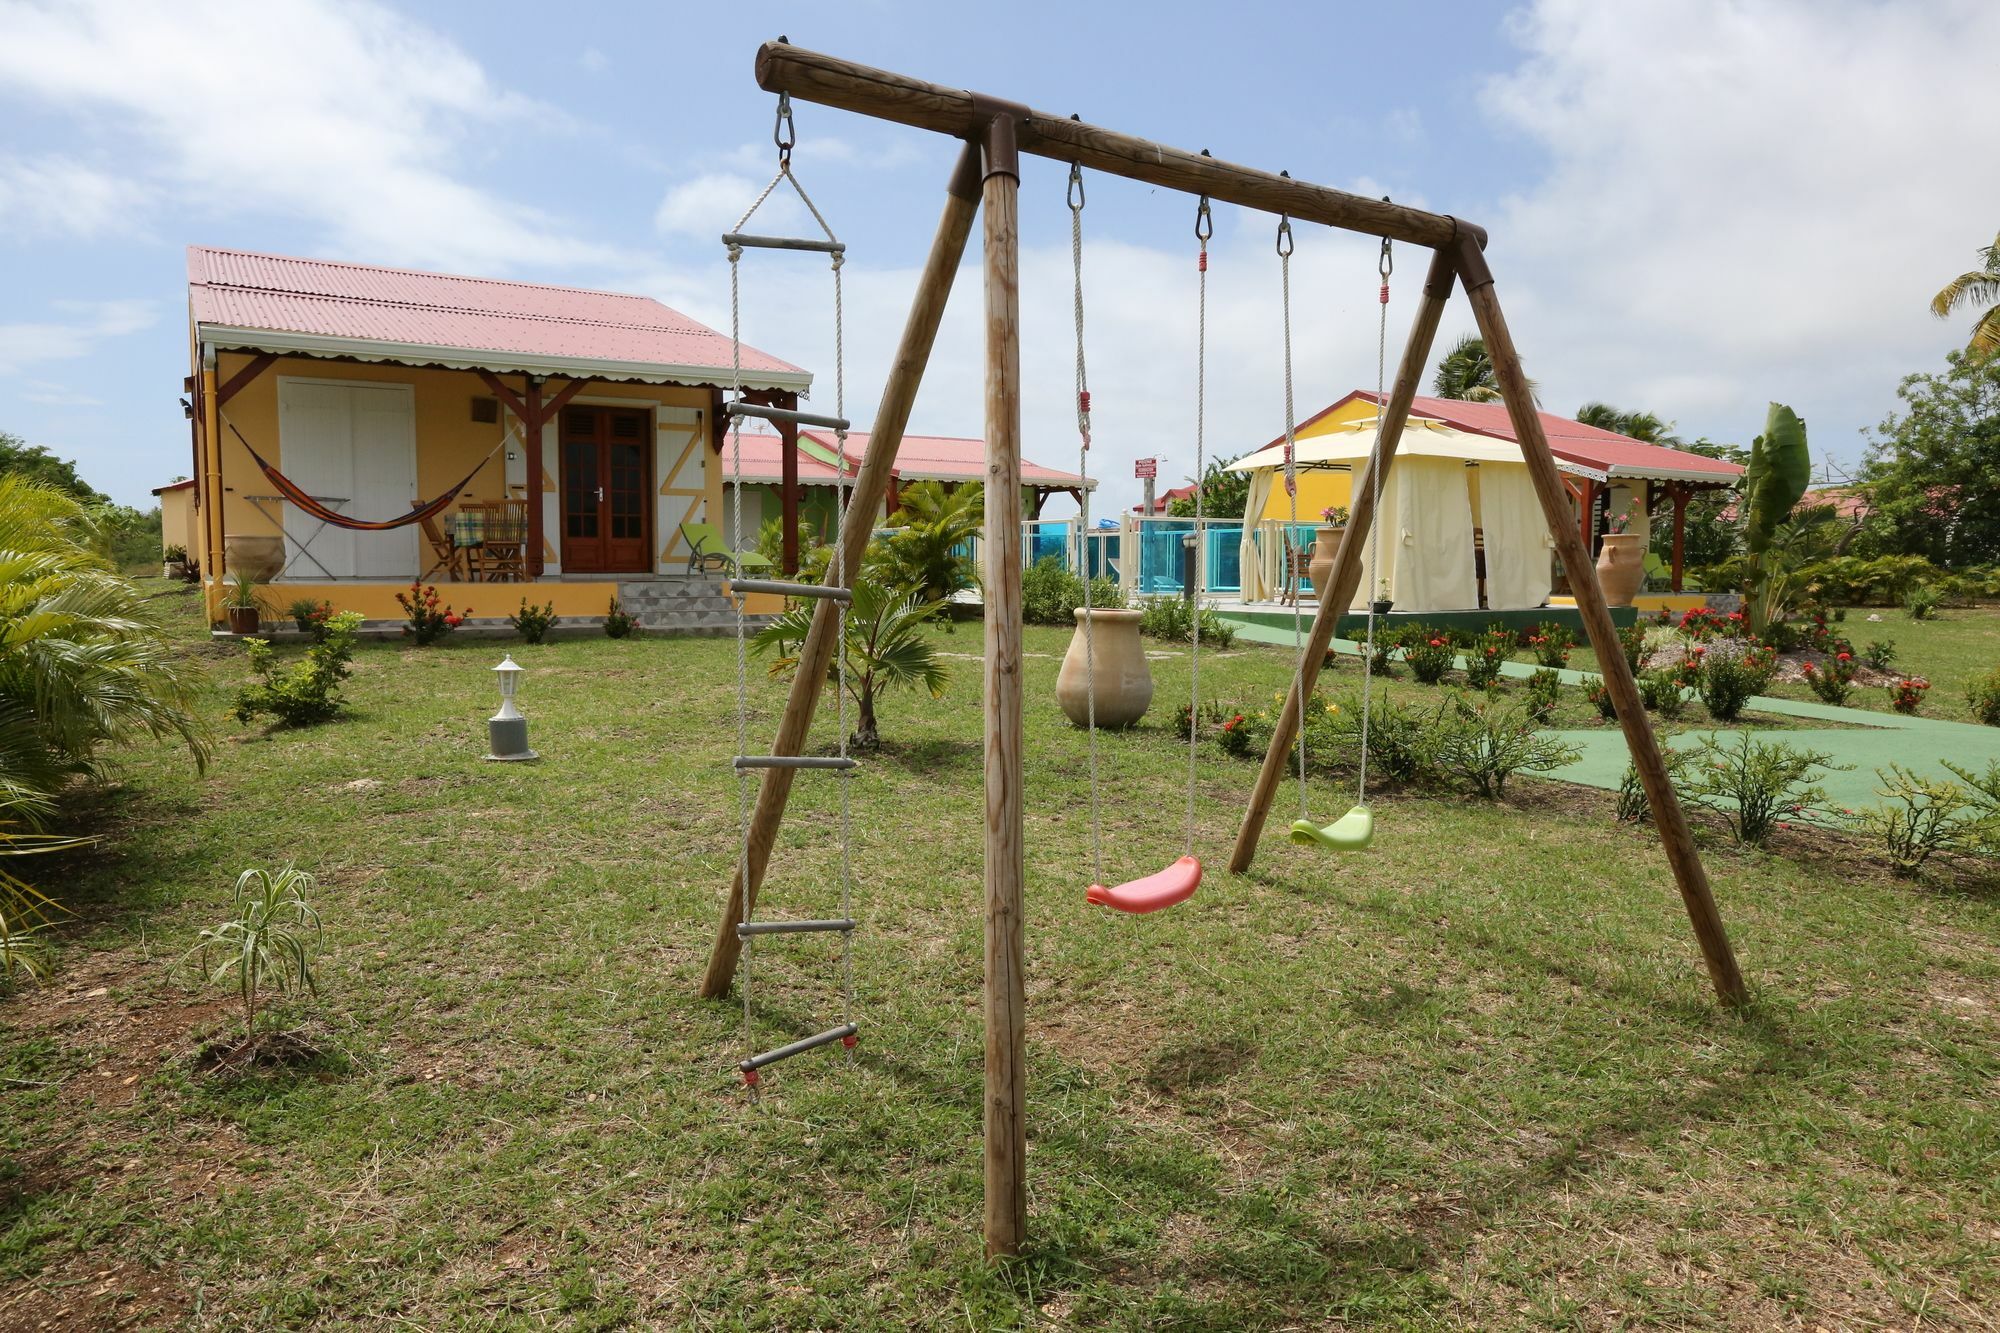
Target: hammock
[425, 509]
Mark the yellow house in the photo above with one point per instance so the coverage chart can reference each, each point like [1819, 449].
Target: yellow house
[570, 434]
[177, 518]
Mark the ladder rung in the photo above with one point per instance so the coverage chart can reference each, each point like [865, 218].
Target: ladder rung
[783, 243]
[784, 589]
[744, 929]
[799, 1047]
[784, 414]
[794, 761]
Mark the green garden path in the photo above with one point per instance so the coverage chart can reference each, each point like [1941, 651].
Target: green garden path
[1866, 741]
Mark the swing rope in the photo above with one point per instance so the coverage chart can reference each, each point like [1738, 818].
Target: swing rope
[1204, 228]
[1285, 246]
[1075, 198]
[1384, 266]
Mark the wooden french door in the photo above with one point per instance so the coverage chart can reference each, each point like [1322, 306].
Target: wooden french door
[606, 517]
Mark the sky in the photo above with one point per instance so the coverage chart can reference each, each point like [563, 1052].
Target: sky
[1696, 206]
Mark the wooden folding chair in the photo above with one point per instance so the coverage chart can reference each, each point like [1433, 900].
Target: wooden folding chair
[501, 555]
[446, 553]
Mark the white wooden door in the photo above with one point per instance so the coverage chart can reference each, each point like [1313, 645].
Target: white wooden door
[682, 467]
[352, 447]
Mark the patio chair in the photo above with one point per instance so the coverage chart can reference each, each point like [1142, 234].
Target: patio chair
[500, 555]
[707, 551]
[446, 554]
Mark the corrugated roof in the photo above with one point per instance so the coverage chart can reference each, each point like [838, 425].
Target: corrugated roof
[280, 303]
[1570, 440]
[948, 458]
[763, 461]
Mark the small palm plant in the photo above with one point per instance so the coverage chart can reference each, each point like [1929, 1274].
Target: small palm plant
[886, 649]
[268, 944]
[24, 909]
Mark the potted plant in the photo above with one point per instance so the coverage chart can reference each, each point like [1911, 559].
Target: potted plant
[173, 562]
[246, 613]
[1380, 606]
[1621, 560]
[1326, 543]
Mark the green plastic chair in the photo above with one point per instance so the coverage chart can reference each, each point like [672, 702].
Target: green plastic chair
[1349, 833]
[707, 550]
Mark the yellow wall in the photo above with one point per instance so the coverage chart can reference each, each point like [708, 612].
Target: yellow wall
[177, 521]
[377, 601]
[449, 443]
[1318, 488]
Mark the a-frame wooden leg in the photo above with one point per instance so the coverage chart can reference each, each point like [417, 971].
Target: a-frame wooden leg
[1346, 574]
[1668, 817]
[871, 484]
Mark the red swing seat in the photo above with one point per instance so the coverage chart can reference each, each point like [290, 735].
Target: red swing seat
[1164, 888]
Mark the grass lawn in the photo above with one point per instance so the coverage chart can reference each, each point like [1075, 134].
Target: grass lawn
[1471, 1078]
[1947, 651]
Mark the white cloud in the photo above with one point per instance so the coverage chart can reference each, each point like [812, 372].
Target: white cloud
[26, 344]
[58, 196]
[48, 393]
[348, 115]
[1743, 202]
[594, 60]
[708, 205]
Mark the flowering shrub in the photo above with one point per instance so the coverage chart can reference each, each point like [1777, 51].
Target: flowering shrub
[1483, 660]
[1482, 745]
[1599, 695]
[1235, 736]
[1921, 818]
[1755, 786]
[1730, 675]
[1633, 807]
[1550, 642]
[1632, 641]
[1907, 695]
[1663, 689]
[618, 622]
[1400, 740]
[1429, 654]
[533, 623]
[428, 619]
[1700, 623]
[1832, 681]
[1983, 692]
[1544, 693]
[1211, 717]
[1334, 516]
[311, 617]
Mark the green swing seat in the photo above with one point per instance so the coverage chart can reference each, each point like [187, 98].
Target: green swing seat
[1350, 833]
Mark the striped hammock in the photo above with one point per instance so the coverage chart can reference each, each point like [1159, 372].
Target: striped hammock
[423, 510]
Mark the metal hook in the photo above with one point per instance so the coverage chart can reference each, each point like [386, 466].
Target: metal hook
[1075, 192]
[1285, 242]
[783, 133]
[1204, 222]
[1387, 263]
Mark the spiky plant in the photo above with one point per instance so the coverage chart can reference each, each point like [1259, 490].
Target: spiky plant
[268, 944]
[886, 649]
[1976, 287]
[928, 556]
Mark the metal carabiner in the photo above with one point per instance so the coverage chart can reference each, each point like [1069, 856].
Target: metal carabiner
[1285, 242]
[1074, 195]
[1204, 223]
[1387, 263]
[783, 133]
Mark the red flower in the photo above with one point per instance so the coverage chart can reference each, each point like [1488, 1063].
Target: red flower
[1699, 649]
[1843, 657]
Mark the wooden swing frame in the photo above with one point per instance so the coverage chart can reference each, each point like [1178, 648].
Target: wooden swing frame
[987, 178]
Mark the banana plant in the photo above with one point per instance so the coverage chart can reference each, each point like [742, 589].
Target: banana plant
[1776, 476]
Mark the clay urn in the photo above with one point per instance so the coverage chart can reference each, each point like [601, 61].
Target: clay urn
[1118, 659]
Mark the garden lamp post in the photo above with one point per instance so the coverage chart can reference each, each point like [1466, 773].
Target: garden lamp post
[507, 730]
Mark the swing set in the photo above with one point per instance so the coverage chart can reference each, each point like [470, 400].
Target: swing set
[986, 183]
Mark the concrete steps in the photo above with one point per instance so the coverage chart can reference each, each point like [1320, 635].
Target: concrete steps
[683, 606]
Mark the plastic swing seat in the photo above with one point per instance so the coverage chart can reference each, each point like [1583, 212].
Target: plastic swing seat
[1350, 833]
[1164, 888]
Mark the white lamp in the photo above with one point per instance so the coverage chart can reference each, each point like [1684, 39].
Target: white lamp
[507, 730]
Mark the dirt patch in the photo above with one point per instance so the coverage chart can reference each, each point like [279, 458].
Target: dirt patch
[95, 1292]
[112, 1015]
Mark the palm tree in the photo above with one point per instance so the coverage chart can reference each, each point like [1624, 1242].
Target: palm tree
[929, 556]
[1466, 373]
[1635, 425]
[1979, 287]
[885, 649]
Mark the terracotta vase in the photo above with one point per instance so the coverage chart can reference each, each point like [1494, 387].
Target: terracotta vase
[245, 619]
[1621, 567]
[1118, 658]
[1326, 542]
[261, 557]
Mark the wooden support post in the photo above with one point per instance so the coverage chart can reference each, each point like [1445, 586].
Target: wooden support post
[531, 442]
[1668, 817]
[1680, 495]
[1006, 864]
[906, 372]
[1346, 574]
[788, 485]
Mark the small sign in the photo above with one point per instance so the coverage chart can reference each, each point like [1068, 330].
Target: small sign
[1145, 469]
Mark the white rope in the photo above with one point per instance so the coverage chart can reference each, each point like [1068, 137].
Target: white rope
[1384, 266]
[1203, 229]
[1292, 497]
[1075, 199]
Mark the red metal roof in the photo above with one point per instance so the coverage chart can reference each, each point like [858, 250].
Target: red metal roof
[947, 458]
[763, 461]
[1606, 451]
[278, 303]
[1165, 498]
[173, 486]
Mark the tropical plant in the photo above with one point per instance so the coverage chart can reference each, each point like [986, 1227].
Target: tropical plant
[1487, 654]
[885, 649]
[1171, 619]
[1920, 818]
[1224, 494]
[1633, 805]
[1780, 466]
[308, 691]
[311, 615]
[1730, 676]
[1634, 425]
[1832, 680]
[771, 541]
[241, 592]
[1429, 654]
[1550, 642]
[618, 622]
[1050, 593]
[1755, 786]
[1881, 653]
[1401, 740]
[1906, 694]
[1484, 744]
[426, 618]
[1922, 602]
[1983, 693]
[84, 661]
[1977, 287]
[1466, 373]
[1932, 475]
[26, 911]
[930, 556]
[533, 623]
[1544, 693]
[268, 944]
